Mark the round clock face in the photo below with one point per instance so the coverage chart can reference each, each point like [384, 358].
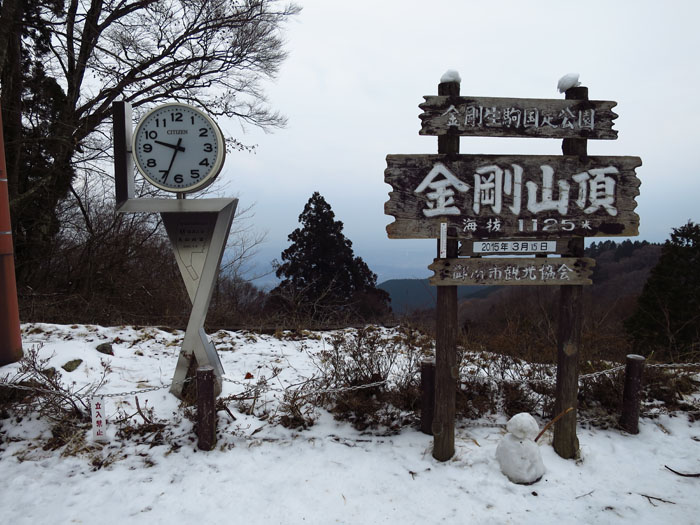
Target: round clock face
[178, 148]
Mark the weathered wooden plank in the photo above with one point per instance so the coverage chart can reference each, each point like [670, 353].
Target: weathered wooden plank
[512, 271]
[518, 117]
[500, 196]
[521, 246]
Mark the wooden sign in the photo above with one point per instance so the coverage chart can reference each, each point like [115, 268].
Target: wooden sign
[518, 117]
[514, 247]
[501, 196]
[512, 271]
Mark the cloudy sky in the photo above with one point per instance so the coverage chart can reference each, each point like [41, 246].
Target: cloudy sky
[357, 71]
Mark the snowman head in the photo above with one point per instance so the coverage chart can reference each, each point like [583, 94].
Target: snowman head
[523, 426]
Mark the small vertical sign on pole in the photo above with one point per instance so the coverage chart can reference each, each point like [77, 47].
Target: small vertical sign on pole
[99, 419]
[443, 240]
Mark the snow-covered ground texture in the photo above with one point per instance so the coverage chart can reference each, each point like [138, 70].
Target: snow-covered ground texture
[264, 473]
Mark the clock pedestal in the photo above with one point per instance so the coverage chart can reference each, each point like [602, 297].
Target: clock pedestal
[198, 230]
[198, 240]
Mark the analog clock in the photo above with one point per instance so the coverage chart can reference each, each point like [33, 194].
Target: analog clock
[178, 148]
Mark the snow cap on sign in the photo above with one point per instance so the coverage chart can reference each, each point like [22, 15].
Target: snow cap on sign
[568, 81]
[451, 75]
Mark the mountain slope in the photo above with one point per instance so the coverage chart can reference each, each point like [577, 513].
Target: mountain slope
[409, 295]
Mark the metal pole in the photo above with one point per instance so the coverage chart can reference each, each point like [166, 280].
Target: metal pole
[10, 336]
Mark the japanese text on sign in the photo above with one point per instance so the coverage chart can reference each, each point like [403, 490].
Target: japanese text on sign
[500, 188]
[514, 247]
[476, 116]
[99, 419]
[510, 272]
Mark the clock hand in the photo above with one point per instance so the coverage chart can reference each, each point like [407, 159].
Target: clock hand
[176, 147]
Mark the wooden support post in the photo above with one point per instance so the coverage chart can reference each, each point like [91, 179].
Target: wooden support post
[446, 368]
[632, 394]
[570, 318]
[427, 386]
[569, 339]
[206, 408]
[10, 334]
[123, 163]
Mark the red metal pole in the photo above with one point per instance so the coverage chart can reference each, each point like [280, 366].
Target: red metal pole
[10, 337]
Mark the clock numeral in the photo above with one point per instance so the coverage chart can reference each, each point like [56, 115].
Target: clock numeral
[204, 162]
[176, 117]
[194, 174]
[151, 163]
[147, 148]
[165, 174]
[178, 178]
[208, 147]
[152, 134]
[203, 132]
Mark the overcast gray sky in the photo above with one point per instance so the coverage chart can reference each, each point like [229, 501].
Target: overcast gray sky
[357, 71]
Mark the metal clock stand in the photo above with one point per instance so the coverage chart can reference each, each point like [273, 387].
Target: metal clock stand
[198, 230]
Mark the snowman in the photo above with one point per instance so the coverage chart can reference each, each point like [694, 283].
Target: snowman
[517, 453]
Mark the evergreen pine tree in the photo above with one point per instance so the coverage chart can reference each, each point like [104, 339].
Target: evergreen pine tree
[667, 318]
[321, 277]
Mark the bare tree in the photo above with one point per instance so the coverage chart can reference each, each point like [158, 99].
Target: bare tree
[57, 98]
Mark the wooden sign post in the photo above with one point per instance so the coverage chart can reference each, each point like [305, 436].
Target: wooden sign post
[535, 205]
[565, 442]
[446, 366]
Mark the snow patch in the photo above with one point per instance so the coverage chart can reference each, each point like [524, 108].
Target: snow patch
[330, 473]
[451, 75]
[567, 82]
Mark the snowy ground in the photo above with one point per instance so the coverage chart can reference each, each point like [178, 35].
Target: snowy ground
[263, 473]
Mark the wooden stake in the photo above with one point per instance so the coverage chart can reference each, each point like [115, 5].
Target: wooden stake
[632, 394]
[446, 369]
[427, 384]
[206, 408]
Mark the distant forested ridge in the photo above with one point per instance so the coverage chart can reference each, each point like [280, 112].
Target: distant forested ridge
[410, 295]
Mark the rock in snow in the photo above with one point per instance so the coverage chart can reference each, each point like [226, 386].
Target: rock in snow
[451, 75]
[568, 81]
[517, 453]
